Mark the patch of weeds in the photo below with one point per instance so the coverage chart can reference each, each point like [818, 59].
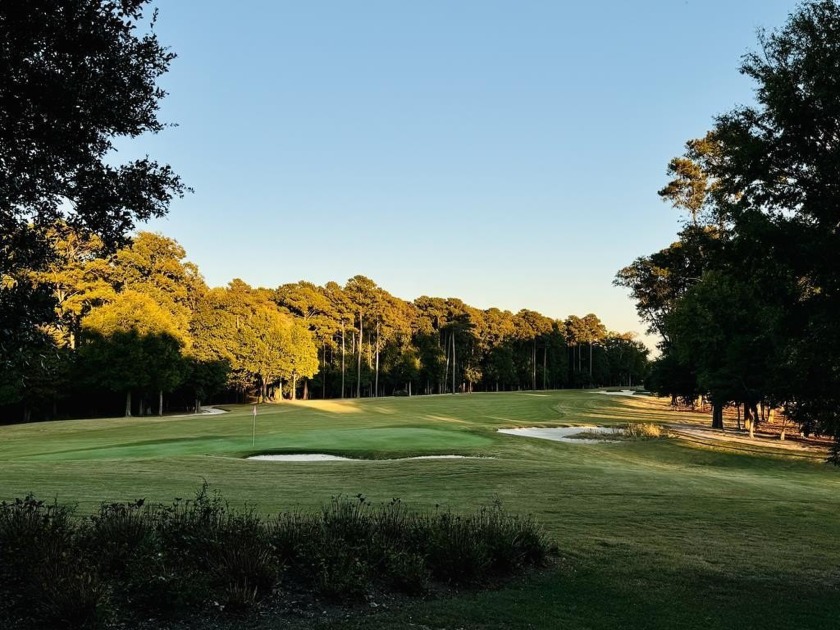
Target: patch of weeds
[33, 537]
[406, 571]
[118, 534]
[72, 595]
[241, 562]
[456, 550]
[643, 431]
[157, 586]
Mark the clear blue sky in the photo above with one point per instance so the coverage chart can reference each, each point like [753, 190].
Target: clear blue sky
[507, 153]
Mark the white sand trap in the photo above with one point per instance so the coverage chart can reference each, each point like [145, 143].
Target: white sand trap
[212, 410]
[322, 457]
[561, 434]
[203, 411]
[303, 457]
[623, 392]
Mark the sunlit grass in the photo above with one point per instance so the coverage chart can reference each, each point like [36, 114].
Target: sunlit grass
[667, 533]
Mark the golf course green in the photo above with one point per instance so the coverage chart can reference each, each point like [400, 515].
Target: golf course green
[657, 533]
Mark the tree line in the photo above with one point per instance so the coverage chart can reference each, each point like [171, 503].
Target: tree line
[747, 300]
[141, 325]
[93, 320]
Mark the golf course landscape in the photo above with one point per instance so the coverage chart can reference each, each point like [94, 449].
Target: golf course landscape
[652, 533]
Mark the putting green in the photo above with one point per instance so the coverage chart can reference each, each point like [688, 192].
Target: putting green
[372, 440]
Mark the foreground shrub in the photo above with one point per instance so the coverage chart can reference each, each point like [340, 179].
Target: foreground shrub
[44, 570]
[72, 595]
[139, 560]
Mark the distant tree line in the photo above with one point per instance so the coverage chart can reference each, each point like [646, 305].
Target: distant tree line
[141, 325]
[93, 322]
[747, 301]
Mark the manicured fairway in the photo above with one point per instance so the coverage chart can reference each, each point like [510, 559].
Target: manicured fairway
[653, 534]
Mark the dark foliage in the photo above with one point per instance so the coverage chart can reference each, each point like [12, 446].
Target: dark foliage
[74, 76]
[140, 561]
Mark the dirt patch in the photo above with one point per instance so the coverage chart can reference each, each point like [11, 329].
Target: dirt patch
[740, 439]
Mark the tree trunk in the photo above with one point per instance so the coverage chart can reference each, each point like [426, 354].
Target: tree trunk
[738, 412]
[342, 358]
[534, 365]
[306, 389]
[359, 361]
[160, 402]
[293, 395]
[545, 364]
[376, 380]
[749, 419]
[197, 405]
[445, 369]
[262, 389]
[128, 404]
[453, 362]
[717, 416]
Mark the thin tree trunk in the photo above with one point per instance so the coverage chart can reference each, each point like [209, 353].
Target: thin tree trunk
[342, 358]
[545, 364]
[376, 380]
[453, 361]
[446, 369]
[294, 386]
[748, 419]
[359, 361]
[160, 402]
[128, 404]
[534, 365]
[306, 389]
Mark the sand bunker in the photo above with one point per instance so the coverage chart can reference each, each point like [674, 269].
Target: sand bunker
[303, 457]
[623, 392]
[322, 457]
[562, 434]
[212, 410]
